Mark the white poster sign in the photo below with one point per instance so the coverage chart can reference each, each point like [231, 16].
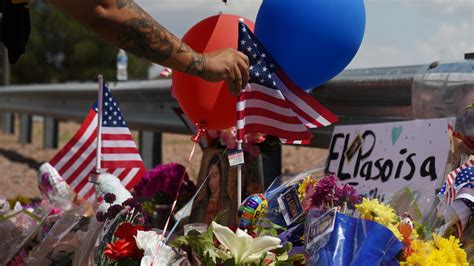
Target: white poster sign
[382, 159]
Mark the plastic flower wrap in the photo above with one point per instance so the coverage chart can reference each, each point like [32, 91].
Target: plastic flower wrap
[352, 241]
[18, 225]
[155, 251]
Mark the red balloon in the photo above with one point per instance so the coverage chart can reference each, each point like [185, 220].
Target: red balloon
[204, 102]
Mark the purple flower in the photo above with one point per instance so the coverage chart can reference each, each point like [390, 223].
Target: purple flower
[347, 193]
[325, 192]
[162, 183]
[113, 211]
[100, 216]
[45, 184]
[110, 198]
[133, 204]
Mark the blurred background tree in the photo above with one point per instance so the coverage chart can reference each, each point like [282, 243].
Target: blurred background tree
[60, 49]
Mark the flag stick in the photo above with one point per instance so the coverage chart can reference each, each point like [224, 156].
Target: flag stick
[99, 123]
[239, 148]
[239, 177]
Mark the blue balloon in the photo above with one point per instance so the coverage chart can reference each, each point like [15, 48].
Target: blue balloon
[312, 40]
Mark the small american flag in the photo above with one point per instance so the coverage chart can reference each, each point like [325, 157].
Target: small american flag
[460, 178]
[272, 103]
[120, 156]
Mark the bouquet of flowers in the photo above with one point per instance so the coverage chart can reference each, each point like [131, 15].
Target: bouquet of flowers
[158, 188]
[125, 239]
[252, 144]
[418, 247]
[221, 245]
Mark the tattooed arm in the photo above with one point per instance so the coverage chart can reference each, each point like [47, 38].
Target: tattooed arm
[125, 24]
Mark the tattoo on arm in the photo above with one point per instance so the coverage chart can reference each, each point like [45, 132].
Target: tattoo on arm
[197, 65]
[124, 3]
[145, 37]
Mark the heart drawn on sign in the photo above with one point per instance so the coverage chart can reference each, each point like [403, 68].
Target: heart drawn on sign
[396, 132]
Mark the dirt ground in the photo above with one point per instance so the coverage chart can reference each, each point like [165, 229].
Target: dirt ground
[18, 163]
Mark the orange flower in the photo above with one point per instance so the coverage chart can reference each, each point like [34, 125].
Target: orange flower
[126, 246]
[122, 249]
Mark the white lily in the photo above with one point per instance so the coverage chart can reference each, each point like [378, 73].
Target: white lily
[243, 247]
[149, 242]
[147, 239]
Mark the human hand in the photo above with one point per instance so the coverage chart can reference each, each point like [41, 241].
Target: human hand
[229, 65]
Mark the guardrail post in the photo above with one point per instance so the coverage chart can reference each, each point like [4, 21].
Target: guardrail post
[8, 123]
[50, 133]
[25, 128]
[150, 148]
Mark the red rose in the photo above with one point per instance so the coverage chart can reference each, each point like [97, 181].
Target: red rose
[122, 249]
[126, 246]
[128, 231]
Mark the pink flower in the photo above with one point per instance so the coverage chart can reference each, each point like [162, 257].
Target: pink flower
[213, 134]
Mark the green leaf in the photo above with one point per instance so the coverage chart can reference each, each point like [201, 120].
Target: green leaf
[220, 216]
[283, 263]
[229, 262]
[128, 262]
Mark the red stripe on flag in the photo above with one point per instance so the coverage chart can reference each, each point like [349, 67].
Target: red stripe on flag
[119, 150]
[84, 179]
[117, 137]
[85, 125]
[263, 97]
[136, 178]
[89, 193]
[267, 113]
[78, 153]
[124, 173]
[122, 164]
[281, 133]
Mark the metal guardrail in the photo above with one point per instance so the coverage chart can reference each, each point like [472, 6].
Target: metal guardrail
[356, 96]
[146, 105]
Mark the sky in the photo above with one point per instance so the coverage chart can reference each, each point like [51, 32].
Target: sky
[398, 32]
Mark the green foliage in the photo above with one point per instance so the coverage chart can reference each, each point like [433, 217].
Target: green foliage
[60, 49]
[200, 243]
[128, 262]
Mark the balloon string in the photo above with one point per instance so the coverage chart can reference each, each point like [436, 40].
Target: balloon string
[201, 131]
[186, 208]
[196, 194]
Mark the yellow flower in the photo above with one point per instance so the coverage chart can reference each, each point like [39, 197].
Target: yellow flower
[451, 249]
[439, 251]
[23, 200]
[377, 211]
[395, 231]
[304, 186]
[148, 206]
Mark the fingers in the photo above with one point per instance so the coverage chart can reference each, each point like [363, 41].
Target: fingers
[238, 80]
[245, 58]
[233, 86]
[244, 70]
